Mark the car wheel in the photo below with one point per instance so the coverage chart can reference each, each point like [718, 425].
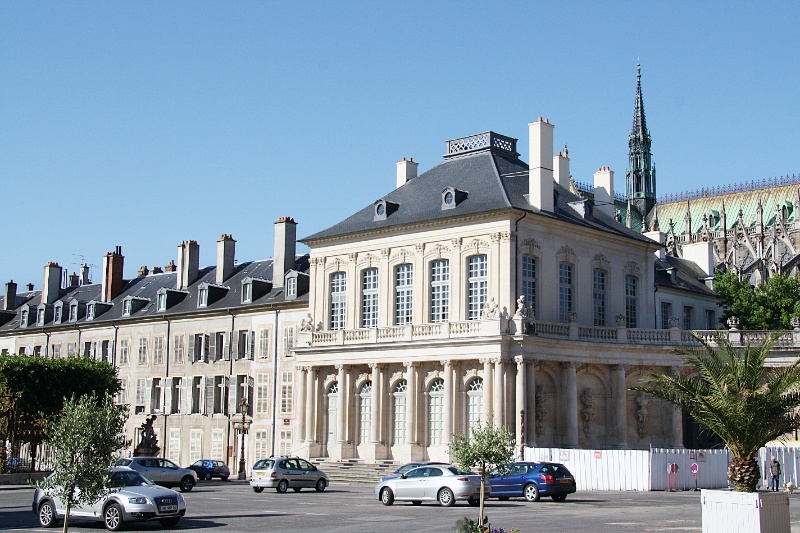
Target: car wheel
[473, 501]
[112, 517]
[531, 492]
[283, 486]
[387, 497]
[223, 478]
[559, 497]
[47, 514]
[446, 498]
[296, 489]
[416, 502]
[209, 477]
[258, 489]
[172, 521]
[320, 486]
[187, 484]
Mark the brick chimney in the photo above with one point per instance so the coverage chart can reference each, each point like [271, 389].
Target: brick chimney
[604, 191]
[188, 263]
[143, 271]
[285, 248]
[51, 283]
[171, 267]
[406, 171]
[540, 177]
[10, 302]
[84, 280]
[112, 274]
[226, 251]
[157, 270]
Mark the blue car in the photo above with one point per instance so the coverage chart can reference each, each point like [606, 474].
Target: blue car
[208, 469]
[532, 481]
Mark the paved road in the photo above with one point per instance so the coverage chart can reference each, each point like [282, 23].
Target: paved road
[234, 507]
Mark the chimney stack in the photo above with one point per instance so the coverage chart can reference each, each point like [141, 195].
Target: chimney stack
[84, 274]
[29, 286]
[51, 283]
[604, 191]
[157, 270]
[226, 248]
[72, 281]
[406, 171]
[10, 302]
[112, 274]
[143, 271]
[540, 178]
[561, 168]
[188, 263]
[171, 267]
[285, 249]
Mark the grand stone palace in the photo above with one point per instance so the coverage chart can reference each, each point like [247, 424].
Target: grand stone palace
[483, 287]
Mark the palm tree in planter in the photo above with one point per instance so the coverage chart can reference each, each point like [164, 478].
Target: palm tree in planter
[729, 391]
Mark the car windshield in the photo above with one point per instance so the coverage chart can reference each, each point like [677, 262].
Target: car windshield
[123, 462]
[263, 464]
[128, 479]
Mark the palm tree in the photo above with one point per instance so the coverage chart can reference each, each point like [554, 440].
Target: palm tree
[729, 391]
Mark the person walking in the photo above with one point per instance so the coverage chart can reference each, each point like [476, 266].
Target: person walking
[775, 472]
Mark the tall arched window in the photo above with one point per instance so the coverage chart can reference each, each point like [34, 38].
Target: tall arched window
[369, 298]
[338, 299]
[631, 286]
[564, 291]
[529, 282]
[599, 297]
[404, 293]
[440, 290]
[399, 412]
[435, 411]
[478, 285]
[474, 404]
[365, 412]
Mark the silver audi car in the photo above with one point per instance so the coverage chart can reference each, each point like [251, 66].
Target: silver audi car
[131, 498]
[443, 483]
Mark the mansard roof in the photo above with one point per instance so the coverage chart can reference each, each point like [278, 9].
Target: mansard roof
[148, 286]
[493, 180]
[688, 276]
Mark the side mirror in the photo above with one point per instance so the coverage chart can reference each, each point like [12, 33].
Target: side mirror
[402, 476]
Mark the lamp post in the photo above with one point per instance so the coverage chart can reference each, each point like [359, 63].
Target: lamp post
[242, 427]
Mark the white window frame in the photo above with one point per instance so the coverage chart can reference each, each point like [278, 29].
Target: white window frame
[403, 294]
[477, 285]
[440, 290]
[142, 353]
[400, 396]
[529, 282]
[287, 393]
[365, 412]
[436, 412]
[369, 298]
[338, 295]
[631, 301]
[566, 286]
[263, 343]
[599, 292]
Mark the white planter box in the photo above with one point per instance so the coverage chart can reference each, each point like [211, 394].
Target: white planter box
[746, 512]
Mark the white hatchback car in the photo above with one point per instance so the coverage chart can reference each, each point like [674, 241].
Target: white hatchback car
[284, 473]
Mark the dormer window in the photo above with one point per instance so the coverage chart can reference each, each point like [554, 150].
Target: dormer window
[161, 301]
[90, 312]
[384, 208]
[247, 292]
[202, 297]
[295, 283]
[73, 312]
[23, 318]
[132, 304]
[40, 316]
[451, 197]
[291, 287]
[165, 299]
[57, 313]
[126, 308]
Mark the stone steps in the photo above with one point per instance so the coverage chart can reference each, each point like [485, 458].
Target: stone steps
[355, 470]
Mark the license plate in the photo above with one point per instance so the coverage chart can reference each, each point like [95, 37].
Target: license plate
[565, 480]
[259, 474]
[167, 508]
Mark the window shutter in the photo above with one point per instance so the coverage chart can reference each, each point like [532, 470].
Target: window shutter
[148, 395]
[235, 344]
[209, 400]
[202, 395]
[232, 407]
[252, 344]
[250, 395]
[166, 408]
[205, 348]
[226, 354]
[213, 346]
[186, 395]
[190, 355]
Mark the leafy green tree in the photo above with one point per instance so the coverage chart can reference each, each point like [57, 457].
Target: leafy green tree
[489, 447]
[38, 387]
[731, 392]
[86, 438]
[769, 306]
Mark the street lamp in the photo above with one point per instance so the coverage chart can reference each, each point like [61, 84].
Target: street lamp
[242, 427]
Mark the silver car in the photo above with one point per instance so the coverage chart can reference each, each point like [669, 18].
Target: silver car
[443, 483]
[131, 498]
[162, 472]
[283, 473]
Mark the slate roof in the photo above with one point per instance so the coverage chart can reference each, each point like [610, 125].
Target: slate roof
[148, 287]
[495, 180]
[688, 275]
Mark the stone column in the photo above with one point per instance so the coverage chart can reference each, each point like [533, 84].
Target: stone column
[447, 408]
[570, 413]
[499, 393]
[411, 403]
[301, 403]
[530, 405]
[620, 409]
[341, 407]
[311, 405]
[521, 414]
[676, 435]
[375, 414]
[487, 389]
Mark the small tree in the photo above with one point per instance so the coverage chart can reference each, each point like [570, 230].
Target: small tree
[86, 437]
[488, 447]
[729, 390]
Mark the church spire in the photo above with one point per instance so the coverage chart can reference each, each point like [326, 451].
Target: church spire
[640, 177]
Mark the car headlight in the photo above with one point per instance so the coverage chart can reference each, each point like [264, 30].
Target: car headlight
[180, 498]
[141, 500]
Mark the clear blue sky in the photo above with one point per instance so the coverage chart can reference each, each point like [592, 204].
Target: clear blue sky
[143, 124]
